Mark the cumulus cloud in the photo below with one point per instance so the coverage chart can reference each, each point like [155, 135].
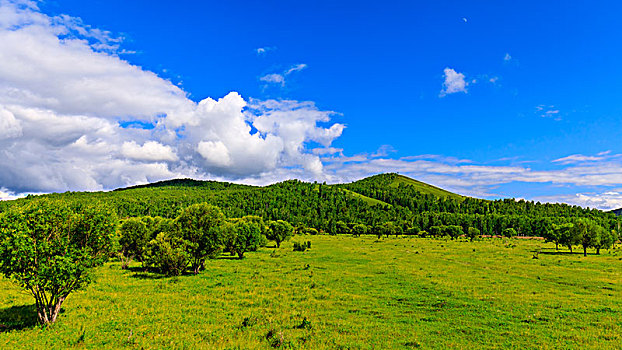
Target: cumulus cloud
[454, 82]
[149, 151]
[507, 57]
[67, 99]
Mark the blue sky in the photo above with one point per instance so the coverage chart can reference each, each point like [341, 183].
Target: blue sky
[490, 98]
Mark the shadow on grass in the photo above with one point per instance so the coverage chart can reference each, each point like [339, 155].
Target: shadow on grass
[228, 257]
[543, 252]
[148, 275]
[18, 317]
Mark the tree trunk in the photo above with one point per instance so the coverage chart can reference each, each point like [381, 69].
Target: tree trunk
[47, 314]
[556, 246]
[241, 255]
[570, 247]
[584, 251]
[598, 251]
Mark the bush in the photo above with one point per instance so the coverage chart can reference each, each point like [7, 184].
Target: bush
[302, 246]
[509, 232]
[133, 238]
[168, 254]
[472, 233]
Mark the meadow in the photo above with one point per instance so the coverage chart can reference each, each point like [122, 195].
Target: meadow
[344, 293]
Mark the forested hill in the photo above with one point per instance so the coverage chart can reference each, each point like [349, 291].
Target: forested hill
[404, 204]
[617, 212]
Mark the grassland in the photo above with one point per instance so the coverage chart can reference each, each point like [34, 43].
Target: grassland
[345, 292]
[424, 187]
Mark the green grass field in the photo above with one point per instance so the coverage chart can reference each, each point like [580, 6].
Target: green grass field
[424, 187]
[344, 293]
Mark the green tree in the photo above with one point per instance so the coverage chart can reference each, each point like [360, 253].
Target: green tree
[247, 237]
[199, 225]
[588, 233]
[359, 229]
[472, 233]
[342, 228]
[557, 232]
[509, 232]
[279, 231]
[606, 239]
[168, 254]
[133, 239]
[49, 249]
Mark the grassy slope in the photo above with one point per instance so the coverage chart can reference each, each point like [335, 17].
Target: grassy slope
[424, 187]
[356, 293]
[368, 200]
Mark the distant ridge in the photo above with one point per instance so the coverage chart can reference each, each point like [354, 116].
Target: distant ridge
[391, 180]
[214, 185]
[618, 211]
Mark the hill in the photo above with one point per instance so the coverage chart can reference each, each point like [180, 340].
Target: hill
[617, 212]
[410, 205]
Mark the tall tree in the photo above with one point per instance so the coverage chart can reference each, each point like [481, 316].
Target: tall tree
[199, 225]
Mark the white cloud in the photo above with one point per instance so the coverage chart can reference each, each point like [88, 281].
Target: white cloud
[548, 111]
[507, 57]
[149, 151]
[279, 78]
[274, 78]
[605, 201]
[577, 158]
[64, 91]
[261, 51]
[454, 82]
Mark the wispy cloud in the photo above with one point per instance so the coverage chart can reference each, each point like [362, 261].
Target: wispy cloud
[548, 111]
[260, 51]
[279, 78]
[507, 57]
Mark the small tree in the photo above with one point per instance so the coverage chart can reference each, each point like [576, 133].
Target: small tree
[359, 229]
[199, 225]
[454, 231]
[228, 236]
[247, 237]
[168, 254]
[509, 232]
[279, 231]
[342, 228]
[569, 236]
[472, 233]
[556, 233]
[606, 240]
[133, 239]
[49, 249]
[588, 233]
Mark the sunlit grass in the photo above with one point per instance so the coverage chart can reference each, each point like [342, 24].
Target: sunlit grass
[352, 292]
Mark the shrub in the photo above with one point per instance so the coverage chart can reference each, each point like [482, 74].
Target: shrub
[472, 233]
[302, 246]
[168, 254]
[309, 231]
[133, 238]
[49, 249]
[359, 229]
